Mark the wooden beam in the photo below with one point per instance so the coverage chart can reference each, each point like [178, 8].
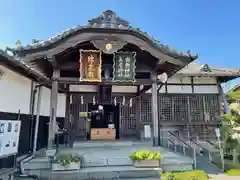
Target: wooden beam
[75, 80]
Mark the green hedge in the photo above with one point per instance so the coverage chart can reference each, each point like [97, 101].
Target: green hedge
[233, 172]
[186, 175]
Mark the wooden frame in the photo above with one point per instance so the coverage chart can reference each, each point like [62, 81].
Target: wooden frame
[99, 68]
[114, 57]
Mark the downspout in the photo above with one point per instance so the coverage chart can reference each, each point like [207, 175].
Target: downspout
[32, 155]
[37, 119]
[32, 118]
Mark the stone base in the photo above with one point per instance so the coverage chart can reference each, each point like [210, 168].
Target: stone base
[147, 163]
[69, 167]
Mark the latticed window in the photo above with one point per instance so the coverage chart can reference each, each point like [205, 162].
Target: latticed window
[165, 107]
[196, 108]
[146, 109]
[212, 107]
[180, 107]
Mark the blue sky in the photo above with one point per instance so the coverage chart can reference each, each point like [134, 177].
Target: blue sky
[210, 28]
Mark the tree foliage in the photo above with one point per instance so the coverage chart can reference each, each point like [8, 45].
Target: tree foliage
[233, 96]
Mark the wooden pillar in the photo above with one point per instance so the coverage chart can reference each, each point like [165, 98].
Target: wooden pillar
[53, 109]
[155, 111]
[66, 120]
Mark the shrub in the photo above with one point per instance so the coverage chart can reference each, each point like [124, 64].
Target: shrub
[186, 175]
[65, 159]
[145, 155]
[233, 172]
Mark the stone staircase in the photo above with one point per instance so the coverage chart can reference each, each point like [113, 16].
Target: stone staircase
[201, 151]
[110, 160]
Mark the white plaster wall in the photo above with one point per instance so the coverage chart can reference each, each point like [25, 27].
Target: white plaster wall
[124, 89]
[61, 106]
[178, 89]
[15, 91]
[83, 88]
[204, 80]
[182, 80]
[93, 88]
[206, 89]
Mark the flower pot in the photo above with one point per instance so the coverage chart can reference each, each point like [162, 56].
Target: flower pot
[69, 167]
[147, 163]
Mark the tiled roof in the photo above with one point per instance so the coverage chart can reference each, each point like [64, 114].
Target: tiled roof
[107, 20]
[19, 63]
[195, 68]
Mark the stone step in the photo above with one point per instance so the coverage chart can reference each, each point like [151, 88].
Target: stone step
[126, 161]
[114, 172]
[97, 144]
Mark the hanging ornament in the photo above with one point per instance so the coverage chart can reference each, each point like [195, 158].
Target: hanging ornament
[81, 99]
[115, 101]
[70, 99]
[94, 100]
[123, 101]
[130, 102]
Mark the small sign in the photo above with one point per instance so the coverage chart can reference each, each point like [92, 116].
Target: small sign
[217, 132]
[83, 114]
[50, 152]
[147, 131]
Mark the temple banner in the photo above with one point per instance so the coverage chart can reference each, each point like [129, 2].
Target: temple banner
[90, 65]
[124, 66]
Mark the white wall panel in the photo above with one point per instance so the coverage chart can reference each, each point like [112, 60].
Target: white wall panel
[211, 89]
[15, 91]
[178, 89]
[83, 88]
[204, 80]
[180, 80]
[124, 89]
[45, 103]
[61, 107]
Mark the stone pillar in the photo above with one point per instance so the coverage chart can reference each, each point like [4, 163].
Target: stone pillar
[53, 110]
[155, 112]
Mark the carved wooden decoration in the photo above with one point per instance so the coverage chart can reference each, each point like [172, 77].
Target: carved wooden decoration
[90, 65]
[107, 46]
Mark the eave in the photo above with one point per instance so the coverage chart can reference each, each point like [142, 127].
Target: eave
[24, 70]
[102, 27]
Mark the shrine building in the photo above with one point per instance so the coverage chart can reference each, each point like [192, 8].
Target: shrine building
[108, 80]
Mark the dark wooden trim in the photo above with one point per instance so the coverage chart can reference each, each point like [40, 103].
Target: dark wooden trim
[95, 93]
[166, 88]
[192, 84]
[75, 81]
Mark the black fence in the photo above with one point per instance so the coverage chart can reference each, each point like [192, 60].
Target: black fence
[27, 134]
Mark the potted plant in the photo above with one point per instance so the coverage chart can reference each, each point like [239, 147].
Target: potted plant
[146, 158]
[66, 162]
